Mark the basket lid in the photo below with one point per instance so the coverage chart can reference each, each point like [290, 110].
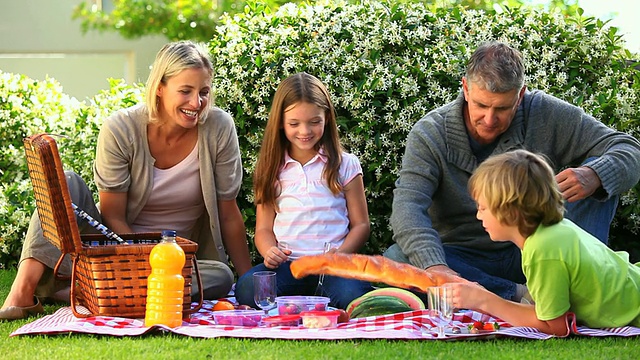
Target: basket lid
[53, 200]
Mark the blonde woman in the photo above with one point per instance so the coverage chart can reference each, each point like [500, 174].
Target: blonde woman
[170, 163]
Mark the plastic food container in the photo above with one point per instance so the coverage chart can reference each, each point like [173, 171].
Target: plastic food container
[291, 305]
[249, 318]
[319, 319]
[282, 320]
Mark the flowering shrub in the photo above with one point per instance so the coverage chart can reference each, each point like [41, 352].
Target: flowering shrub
[78, 150]
[386, 65]
[28, 107]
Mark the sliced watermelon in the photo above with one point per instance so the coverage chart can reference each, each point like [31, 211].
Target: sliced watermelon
[405, 295]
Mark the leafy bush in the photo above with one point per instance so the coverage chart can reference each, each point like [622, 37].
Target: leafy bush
[28, 107]
[197, 19]
[386, 65]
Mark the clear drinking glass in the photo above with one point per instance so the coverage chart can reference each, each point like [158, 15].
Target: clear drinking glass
[264, 290]
[440, 306]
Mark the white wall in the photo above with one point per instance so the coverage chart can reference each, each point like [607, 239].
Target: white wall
[40, 39]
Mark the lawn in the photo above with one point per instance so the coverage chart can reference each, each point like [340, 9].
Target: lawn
[168, 346]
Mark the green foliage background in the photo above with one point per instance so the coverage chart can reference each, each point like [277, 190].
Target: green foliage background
[386, 65]
[198, 19]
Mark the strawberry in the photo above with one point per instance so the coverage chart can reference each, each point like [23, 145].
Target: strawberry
[478, 325]
[491, 326]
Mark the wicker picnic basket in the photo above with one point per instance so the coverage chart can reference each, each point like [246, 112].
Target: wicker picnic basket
[107, 278]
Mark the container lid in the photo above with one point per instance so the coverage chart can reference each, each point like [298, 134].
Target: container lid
[281, 319]
[299, 298]
[237, 312]
[320, 313]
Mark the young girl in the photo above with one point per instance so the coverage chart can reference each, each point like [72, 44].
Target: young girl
[567, 269]
[308, 193]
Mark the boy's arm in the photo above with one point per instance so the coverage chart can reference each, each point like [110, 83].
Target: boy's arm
[475, 297]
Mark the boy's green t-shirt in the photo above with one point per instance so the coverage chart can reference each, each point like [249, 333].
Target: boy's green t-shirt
[567, 269]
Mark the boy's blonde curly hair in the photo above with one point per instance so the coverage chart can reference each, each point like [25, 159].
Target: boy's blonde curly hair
[520, 189]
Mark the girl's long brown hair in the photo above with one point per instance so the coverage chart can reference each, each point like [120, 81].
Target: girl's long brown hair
[300, 87]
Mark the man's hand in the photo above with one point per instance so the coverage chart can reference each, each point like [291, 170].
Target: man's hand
[578, 183]
[443, 269]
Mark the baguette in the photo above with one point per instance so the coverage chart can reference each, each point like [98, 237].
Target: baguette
[375, 268]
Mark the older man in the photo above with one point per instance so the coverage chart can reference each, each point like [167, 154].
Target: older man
[434, 217]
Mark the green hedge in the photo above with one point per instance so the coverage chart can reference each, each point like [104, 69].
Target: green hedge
[386, 66]
[27, 107]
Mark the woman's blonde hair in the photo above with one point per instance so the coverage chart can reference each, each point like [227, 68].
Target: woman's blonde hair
[520, 189]
[170, 61]
[297, 88]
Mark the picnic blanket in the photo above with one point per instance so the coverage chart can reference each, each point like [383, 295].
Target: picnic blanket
[408, 325]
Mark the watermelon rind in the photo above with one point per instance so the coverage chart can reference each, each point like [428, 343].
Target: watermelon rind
[407, 296]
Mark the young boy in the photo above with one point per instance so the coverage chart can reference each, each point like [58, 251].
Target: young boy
[567, 269]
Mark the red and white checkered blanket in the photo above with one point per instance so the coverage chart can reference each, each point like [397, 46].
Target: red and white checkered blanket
[409, 325]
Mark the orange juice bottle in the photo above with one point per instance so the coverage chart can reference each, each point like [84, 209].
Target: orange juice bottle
[165, 284]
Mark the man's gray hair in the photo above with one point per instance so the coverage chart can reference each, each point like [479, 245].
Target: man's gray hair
[496, 67]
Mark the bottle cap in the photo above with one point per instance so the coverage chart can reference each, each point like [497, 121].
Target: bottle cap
[169, 233]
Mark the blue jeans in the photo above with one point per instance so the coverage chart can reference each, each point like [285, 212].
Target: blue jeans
[593, 216]
[499, 271]
[341, 291]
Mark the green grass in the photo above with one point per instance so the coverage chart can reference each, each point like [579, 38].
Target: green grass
[168, 346]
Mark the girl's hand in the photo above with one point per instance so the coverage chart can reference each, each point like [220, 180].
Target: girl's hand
[468, 295]
[276, 256]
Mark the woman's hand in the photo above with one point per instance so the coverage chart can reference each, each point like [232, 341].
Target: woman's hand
[275, 256]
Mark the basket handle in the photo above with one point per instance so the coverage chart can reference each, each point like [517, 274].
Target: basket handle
[73, 299]
[199, 279]
[56, 269]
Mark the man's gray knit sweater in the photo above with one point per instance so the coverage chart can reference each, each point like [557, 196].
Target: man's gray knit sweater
[431, 203]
